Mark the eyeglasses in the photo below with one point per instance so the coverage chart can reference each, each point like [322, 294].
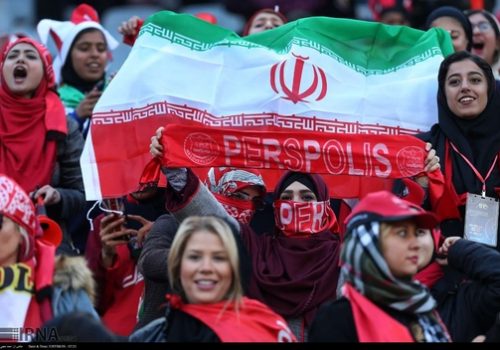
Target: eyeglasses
[482, 26]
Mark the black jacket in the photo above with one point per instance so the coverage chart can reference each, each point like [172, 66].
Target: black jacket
[470, 308]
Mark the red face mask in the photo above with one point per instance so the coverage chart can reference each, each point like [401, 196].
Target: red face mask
[239, 209]
[302, 219]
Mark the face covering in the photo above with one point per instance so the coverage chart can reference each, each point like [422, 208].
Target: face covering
[239, 209]
[302, 219]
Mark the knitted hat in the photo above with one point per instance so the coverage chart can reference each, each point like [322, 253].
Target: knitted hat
[64, 33]
[17, 206]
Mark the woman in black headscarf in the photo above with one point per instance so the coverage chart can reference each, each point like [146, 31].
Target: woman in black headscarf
[455, 22]
[466, 137]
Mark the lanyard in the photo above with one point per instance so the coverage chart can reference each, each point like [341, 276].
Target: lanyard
[479, 176]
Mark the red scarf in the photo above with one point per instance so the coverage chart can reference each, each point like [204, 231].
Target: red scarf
[252, 322]
[373, 324]
[304, 219]
[241, 210]
[26, 154]
[40, 309]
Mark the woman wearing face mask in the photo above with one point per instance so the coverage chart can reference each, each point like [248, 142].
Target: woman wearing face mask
[485, 38]
[295, 267]
[380, 256]
[207, 302]
[83, 54]
[239, 191]
[467, 143]
[39, 147]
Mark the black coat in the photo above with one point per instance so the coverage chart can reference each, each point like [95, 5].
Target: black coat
[470, 309]
[334, 322]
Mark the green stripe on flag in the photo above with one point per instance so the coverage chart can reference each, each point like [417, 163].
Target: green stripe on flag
[367, 47]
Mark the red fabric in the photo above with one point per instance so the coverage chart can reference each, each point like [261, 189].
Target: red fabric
[373, 324]
[241, 210]
[430, 274]
[377, 6]
[477, 4]
[34, 317]
[120, 286]
[297, 219]
[380, 156]
[416, 193]
[26, 154]
[44, 276]
[15, 204]
[131, 38]
[253, 322]
[433, 272]
[207, 17]
[123, 288]
[344, 212]
[294, 276]
[226, 181]
[83, 13]
[40, 308]
[387, 206]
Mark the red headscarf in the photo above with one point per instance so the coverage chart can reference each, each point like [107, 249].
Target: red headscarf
[29, 127]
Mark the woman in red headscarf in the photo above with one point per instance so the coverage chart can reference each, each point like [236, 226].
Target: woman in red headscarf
[39, 147]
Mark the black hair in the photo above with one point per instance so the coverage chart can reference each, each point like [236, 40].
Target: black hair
[456, 14]
[462, 56]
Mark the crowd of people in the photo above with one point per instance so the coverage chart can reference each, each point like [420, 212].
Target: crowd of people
[189, 262]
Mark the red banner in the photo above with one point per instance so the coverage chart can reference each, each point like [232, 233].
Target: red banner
[379, 156]
[359, 163]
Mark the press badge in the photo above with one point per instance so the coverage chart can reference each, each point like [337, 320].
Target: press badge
[481, 219]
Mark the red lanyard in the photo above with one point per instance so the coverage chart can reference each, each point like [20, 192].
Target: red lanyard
[479, 176]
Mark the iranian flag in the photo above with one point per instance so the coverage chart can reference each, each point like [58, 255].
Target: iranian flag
[319, 94]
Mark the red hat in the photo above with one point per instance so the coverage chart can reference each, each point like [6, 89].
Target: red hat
[17, 206]
[385, 206]
[207, 17]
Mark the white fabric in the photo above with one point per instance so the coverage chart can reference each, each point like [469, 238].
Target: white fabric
[67, 32]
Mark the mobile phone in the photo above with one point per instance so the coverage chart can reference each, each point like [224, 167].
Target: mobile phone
[117, 208]
[114, 204]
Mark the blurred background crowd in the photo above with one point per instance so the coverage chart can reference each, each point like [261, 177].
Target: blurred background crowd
[22, 15]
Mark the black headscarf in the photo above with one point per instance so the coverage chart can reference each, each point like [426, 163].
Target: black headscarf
[478, 139]
[453, 12]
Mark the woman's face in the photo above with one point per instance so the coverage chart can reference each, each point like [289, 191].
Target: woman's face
[401, 248]
[466, 89]
[455, 29]
[298, 192]
[484, 41]
[206, 273]
[427, 247]
[265, 21]
[89, 55]
[23, 70]
[10, 240]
